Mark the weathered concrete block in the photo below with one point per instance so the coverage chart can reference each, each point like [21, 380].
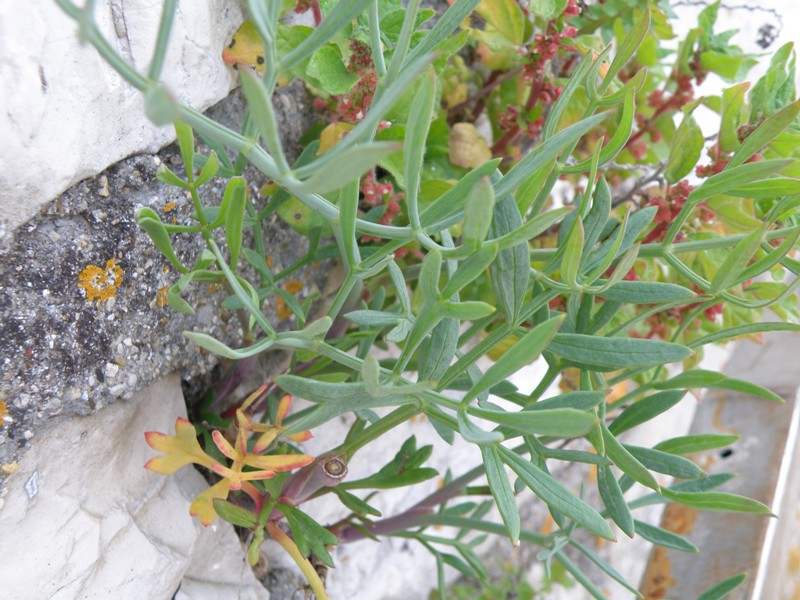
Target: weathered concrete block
[66, 115]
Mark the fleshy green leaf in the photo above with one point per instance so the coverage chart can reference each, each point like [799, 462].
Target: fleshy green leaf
[234, 514]
[609, 354]
[645, 409]
[501, 490]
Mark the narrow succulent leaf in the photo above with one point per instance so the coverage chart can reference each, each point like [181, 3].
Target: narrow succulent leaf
[735, 177]
[556, 422]
[502, 491]
[234, 222]
[478, 210]
[723, 588]
[630, 44]
[522, 353]
[373, 318]
[626, 462]
[417, 128]
[646, 292]
[542, 154]
[470, 269]
[739, 330]
[448, 206]
[614, 501]
[259, 103]
[511, 269]
[645, 409]
[736, 261]
[436, 356]
[209, 170]
[149, 220]
[346, 166]
[429, 275]
[532, 228]
[688, 444]
[474, 434]
[236, 515]
[662, 537]
[583, 400]
[573, 250]
[664, 462]
[609, 354]
[767, 131]
[573, 83]
[718, 501]
[556, 495]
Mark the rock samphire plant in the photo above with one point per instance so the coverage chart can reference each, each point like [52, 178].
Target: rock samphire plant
[430, 177]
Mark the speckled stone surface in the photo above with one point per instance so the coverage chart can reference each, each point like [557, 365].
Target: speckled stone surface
[60, 353]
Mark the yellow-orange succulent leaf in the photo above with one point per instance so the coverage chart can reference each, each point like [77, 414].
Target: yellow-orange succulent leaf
[179, 450]
[203, 505]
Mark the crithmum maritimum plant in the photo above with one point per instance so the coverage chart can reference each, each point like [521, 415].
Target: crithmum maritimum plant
[453, 250]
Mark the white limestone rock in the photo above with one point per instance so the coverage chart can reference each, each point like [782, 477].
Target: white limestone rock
[66, 115]
[83, 519]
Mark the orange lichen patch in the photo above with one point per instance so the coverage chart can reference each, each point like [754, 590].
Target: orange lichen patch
[169, 206]
[268, 259]
[99, 283]
[616, 392]
[658, 579]
[547, 525]
[213, 287]
[9, 468]
[293, 286]
[3, 412]
[284, 312]
[592, 474]
[679, 519]
[161, 298]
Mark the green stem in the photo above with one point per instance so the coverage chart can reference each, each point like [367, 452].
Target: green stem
[375, 39]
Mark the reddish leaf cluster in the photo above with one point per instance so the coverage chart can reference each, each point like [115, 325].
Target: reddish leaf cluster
[668, 208]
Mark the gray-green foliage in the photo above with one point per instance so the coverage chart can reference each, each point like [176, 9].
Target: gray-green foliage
[485, 284]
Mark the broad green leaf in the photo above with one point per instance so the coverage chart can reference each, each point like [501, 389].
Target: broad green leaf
[505, 16]
[689, 444]
[447, 23]
[626, 462]
[765, 133]
[717, 501]
[328, 68]
[736, 261]
[645, 409]
[667, 463]
[478, 210]
[334, 21]
[732, 103]
[556, 495]
[502, 491]
[614, 500]
[610, 354]
[646, 292]
[149, 220]
[346, 166]
[573, 250]
[627, 48]
[236, 515]
[556, 422]
[662, 537]
[511, 269]
[723, 588]
[522, 353]
[686, 149]
[309, 535]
